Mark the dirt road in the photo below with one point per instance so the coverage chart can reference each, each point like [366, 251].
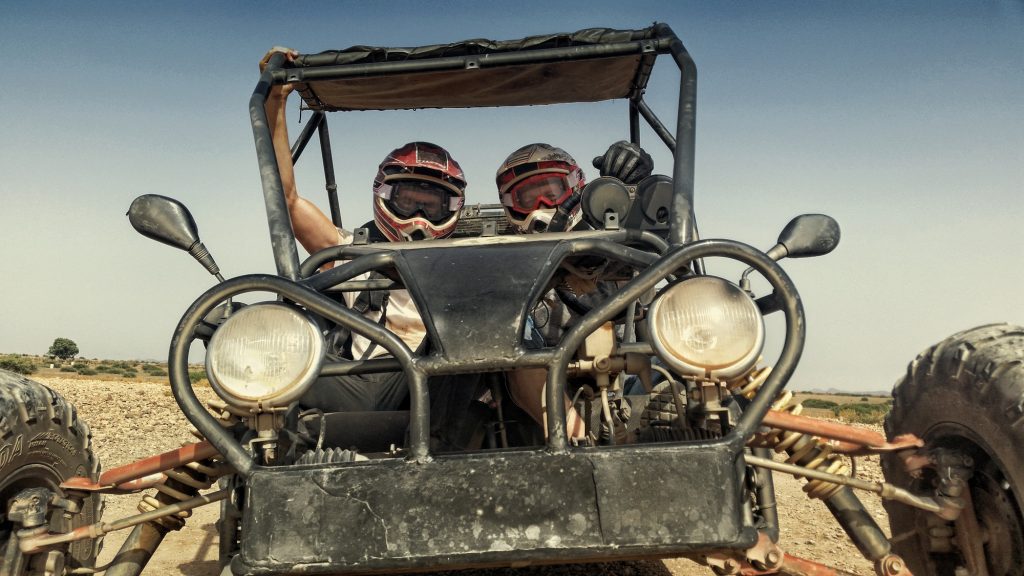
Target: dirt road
[131, 420]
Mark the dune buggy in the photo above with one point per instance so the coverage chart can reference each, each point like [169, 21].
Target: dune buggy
[683, 468]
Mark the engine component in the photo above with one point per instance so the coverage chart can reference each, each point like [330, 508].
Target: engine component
[328, 456]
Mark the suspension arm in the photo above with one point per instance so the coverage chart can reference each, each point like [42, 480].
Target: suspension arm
[36, 544]
[851, 440]
[139, 475]
[883, 489]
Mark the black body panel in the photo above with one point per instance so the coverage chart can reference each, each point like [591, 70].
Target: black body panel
[474, 299]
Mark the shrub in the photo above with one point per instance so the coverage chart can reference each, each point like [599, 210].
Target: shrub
[863, 413]
[196, 375]
[818, 403]
[17, 364]
[158, 372]
[88, 372]
[67, 369]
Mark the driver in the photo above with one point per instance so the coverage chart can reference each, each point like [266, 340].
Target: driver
[418, 194]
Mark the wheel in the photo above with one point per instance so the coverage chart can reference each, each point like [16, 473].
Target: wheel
[43, 443]
[967, 394]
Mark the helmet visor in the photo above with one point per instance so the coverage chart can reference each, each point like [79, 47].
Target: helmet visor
[530, 193]
[409, 197]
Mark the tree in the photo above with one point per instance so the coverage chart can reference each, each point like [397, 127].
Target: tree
[63, 348]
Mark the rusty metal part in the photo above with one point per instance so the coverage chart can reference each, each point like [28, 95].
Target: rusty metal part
[775, 561]
[765, 555]
[883, 489]
[181, 484]
[795, 566]
[36, 544]
[137, 550]
[892, 565]
[851, 440]
[802, 447]
[111, 480]
[970, 538]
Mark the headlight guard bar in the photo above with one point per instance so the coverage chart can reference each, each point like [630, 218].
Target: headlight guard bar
[418, 368]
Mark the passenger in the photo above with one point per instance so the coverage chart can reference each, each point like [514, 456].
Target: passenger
[418, 194]
[533, 182]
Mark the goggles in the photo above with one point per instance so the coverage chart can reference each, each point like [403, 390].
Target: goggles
[528, 194]
[434, 201]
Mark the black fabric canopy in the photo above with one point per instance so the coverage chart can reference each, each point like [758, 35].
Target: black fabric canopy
[586, 66]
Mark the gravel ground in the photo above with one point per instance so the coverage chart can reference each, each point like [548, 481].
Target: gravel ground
[132, 420]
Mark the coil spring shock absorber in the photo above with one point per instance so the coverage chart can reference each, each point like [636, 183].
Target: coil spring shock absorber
[183, 483]
[802, 449]
[808, 451]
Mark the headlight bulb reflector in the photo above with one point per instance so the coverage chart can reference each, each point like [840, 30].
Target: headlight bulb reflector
[706, 327]
[264, 355]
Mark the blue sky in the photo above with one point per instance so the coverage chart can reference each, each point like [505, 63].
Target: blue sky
[904, 121]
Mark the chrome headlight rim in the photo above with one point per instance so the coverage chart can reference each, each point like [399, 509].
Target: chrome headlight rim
[725, 371]
[281, 396]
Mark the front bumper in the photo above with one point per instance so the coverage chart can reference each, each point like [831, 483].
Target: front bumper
[511, 508]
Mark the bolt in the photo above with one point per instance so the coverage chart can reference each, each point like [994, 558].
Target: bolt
[773, 557]
[893, 565]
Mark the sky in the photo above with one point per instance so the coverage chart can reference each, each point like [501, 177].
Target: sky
[903, 120]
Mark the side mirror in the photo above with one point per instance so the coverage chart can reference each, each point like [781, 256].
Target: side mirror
[168, 221]
[165, 220]
[807, 235]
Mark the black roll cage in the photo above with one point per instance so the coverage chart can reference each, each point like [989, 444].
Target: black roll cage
[304, 287]
[660, 40]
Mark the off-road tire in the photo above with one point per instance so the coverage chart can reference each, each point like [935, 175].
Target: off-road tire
[967, 392]
[43, 443]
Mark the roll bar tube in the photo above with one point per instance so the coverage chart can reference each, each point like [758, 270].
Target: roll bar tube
[282, 238]
[681, 218]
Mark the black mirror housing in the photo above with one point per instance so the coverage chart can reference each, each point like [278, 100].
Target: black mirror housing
[809, 235]
[165, 220]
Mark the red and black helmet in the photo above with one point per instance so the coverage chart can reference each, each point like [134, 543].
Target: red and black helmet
[418, 192]
[533, 181]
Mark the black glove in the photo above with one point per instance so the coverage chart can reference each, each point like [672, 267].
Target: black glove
[626, 161]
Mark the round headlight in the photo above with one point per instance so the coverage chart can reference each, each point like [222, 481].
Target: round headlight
[264, 355]
[706, 327]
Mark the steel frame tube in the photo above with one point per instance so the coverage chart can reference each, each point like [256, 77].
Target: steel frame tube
[634, 122]
[282, 239]
[330, 183]
[656, 125]
[307, 133]
[681, 224]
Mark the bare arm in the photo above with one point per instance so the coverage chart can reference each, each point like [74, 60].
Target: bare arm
[313, 229]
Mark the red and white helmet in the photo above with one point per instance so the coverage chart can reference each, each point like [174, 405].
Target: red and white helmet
[533, 181]
[418, 193]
